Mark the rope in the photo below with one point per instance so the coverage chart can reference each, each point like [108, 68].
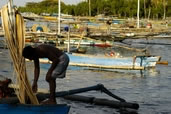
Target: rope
[13, 25]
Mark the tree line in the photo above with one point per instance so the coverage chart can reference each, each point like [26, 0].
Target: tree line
[153, 9]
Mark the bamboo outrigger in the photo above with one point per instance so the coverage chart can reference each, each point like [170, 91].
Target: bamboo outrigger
[70, 94]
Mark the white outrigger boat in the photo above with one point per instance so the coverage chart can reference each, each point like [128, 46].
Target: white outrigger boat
[128, 63]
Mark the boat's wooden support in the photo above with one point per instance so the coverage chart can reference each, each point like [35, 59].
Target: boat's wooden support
[104, 102]
[81, 90]
[9, 100]
[85, 99]
[162, 62]
[130, 48]
[69, 95]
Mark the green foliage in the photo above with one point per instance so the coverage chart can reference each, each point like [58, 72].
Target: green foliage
[120, 8]
[168, 13]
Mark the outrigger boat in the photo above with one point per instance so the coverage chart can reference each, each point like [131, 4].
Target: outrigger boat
[103, 62]
[89, 42]
[33, 109]
[9, 101]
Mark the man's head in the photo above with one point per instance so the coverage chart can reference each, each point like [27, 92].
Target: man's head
[29, 52]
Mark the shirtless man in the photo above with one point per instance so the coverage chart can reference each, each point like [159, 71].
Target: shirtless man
[58, 67]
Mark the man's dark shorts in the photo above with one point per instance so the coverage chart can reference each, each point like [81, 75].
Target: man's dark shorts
[60, 70]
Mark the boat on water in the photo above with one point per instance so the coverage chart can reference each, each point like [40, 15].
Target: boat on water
[89, 42]
[10, 104]
[162, 36]
[103, 62]
[33, 109]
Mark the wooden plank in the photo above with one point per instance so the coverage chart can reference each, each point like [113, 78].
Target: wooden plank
[108, 67]
[40, 90]
[162, 62]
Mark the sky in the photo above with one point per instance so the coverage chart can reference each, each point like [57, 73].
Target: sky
[23, 2]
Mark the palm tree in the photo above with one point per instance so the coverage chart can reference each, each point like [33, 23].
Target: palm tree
[151, 3]
[159, 2]
[89, 7]
[145, 8]
[164, 8]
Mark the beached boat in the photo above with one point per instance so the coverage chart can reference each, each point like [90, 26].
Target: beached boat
[33, 109]
[162, 36]
[89, 42]
[103, 62]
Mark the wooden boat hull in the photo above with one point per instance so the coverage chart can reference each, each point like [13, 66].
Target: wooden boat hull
[141, 62]
[33, 109]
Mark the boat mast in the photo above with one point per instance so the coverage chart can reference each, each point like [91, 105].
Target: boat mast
[89, 2]
[138, 11]
[59, 16]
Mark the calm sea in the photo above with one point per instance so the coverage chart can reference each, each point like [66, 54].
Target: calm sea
[151, 89]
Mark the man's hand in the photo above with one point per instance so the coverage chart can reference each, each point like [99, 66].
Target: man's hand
[34, 87]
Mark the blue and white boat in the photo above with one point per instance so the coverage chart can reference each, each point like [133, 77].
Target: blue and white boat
[103, 62]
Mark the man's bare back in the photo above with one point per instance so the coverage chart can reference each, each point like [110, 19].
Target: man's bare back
[46, 51]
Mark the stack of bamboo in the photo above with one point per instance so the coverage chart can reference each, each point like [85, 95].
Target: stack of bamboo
[13, 25]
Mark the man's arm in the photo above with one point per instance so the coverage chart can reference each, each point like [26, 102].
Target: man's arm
[36, 74]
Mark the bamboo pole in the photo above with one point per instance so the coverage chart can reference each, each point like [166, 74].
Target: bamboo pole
[80, 40]
[130, 48]
[131, 67]
[39, 90]
[162, 62]
[138, 14]
[68, 48]
[59, 17]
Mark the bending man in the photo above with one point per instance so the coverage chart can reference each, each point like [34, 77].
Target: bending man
[57, 69]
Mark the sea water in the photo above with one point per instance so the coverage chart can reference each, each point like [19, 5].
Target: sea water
[151, 89]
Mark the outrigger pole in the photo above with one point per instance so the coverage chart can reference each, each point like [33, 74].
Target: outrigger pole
[81, 90]
[70, 95]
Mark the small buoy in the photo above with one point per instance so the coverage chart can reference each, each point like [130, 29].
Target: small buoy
[112, 53]
[66, 28]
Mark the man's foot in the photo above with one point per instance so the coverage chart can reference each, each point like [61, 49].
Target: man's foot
[48, 101]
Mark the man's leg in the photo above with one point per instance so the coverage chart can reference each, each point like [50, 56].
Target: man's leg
[52, 86]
